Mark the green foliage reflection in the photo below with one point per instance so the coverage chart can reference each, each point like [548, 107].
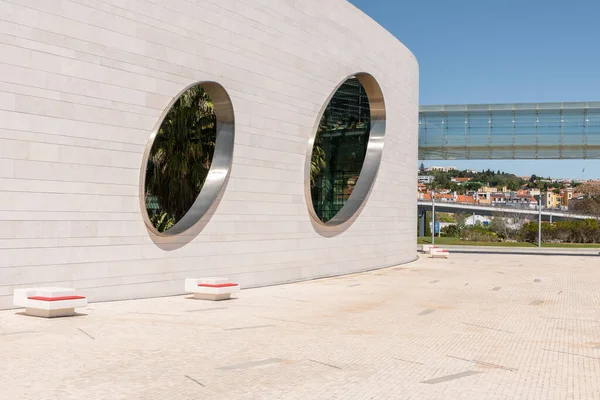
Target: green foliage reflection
[180, 158]
[340, 148]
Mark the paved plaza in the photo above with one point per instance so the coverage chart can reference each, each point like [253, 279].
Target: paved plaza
[476, 326]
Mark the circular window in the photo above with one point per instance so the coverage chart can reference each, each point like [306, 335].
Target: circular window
[346, 150]
[188, 159]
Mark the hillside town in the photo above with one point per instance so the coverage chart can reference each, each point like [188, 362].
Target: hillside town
[497, 189]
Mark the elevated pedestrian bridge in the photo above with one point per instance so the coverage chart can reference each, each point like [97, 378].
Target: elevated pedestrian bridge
[510, 131]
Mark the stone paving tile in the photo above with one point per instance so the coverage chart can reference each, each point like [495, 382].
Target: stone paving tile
[388, 334]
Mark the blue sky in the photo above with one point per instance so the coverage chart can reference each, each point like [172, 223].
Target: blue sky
[510, 51]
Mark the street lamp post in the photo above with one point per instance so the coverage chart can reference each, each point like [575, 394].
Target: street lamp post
[540, 222]
[432, 217]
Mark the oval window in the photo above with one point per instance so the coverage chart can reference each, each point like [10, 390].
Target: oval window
[187, 159]
[346, 150]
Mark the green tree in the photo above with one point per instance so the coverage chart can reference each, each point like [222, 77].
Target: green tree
[475, 186]
[533, 178]
[446, 217]
[499, 227]
[427, 224]
[180, 157]
[454, 187]
[442, 179]
[461, 221]
[529, 232]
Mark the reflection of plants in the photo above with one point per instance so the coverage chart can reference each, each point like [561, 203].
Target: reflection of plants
[350, 184]
[162, 221]
[180, 157]
[339, 149]
[318, 160]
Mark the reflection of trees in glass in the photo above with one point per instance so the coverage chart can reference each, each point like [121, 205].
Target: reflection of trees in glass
[317, 162]
[180, 158]
[340, 149]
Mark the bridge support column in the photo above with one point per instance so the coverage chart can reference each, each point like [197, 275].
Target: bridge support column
[422, 219]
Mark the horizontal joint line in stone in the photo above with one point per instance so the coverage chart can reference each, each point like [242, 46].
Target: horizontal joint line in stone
[252, 364]
[247, 327]
[322, 363]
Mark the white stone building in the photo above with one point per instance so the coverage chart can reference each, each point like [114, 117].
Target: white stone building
[83, 86]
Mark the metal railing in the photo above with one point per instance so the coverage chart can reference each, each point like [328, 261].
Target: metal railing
[517, 208]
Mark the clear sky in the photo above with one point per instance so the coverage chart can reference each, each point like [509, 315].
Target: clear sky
[509, 51]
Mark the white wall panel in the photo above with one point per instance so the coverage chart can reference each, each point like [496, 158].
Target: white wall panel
[82, 85]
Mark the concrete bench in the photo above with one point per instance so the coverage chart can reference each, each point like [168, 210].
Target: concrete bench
[48, 302]
[211, 288]
[427, 248]
[439, 253]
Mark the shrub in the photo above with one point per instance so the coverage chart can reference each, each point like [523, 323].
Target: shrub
[450, 230]
[529, 232]
[575, 231]
[479, 234]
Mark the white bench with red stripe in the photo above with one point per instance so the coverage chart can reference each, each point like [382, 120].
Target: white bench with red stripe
[211, 288]
[439, 253]
[427, 248]
[48, 302]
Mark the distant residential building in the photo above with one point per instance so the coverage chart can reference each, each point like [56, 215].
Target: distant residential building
[498, 198]
[551, 200]
[465, 199]
[448, 198]
[460, 181]
[442, 169]
[439, 197]
[487, 189]
[513, 199]
[426, 179]
[484, 198]
[566, 195]
[473, 220]
[424, 196]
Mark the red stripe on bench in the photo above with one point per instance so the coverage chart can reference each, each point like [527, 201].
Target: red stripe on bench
[41, 298]
[221, 285]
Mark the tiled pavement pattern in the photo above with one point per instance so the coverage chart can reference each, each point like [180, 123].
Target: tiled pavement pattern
[388, 334]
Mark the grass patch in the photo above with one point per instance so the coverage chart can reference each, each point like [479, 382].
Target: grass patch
[449, 241]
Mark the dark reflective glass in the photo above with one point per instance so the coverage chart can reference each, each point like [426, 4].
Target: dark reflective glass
[339, 149]
[180, 158]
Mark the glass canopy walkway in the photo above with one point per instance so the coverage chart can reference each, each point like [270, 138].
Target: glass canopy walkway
[510, 131]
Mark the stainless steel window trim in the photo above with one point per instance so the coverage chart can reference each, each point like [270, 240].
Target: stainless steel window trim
[371, 164]
[220, 165]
